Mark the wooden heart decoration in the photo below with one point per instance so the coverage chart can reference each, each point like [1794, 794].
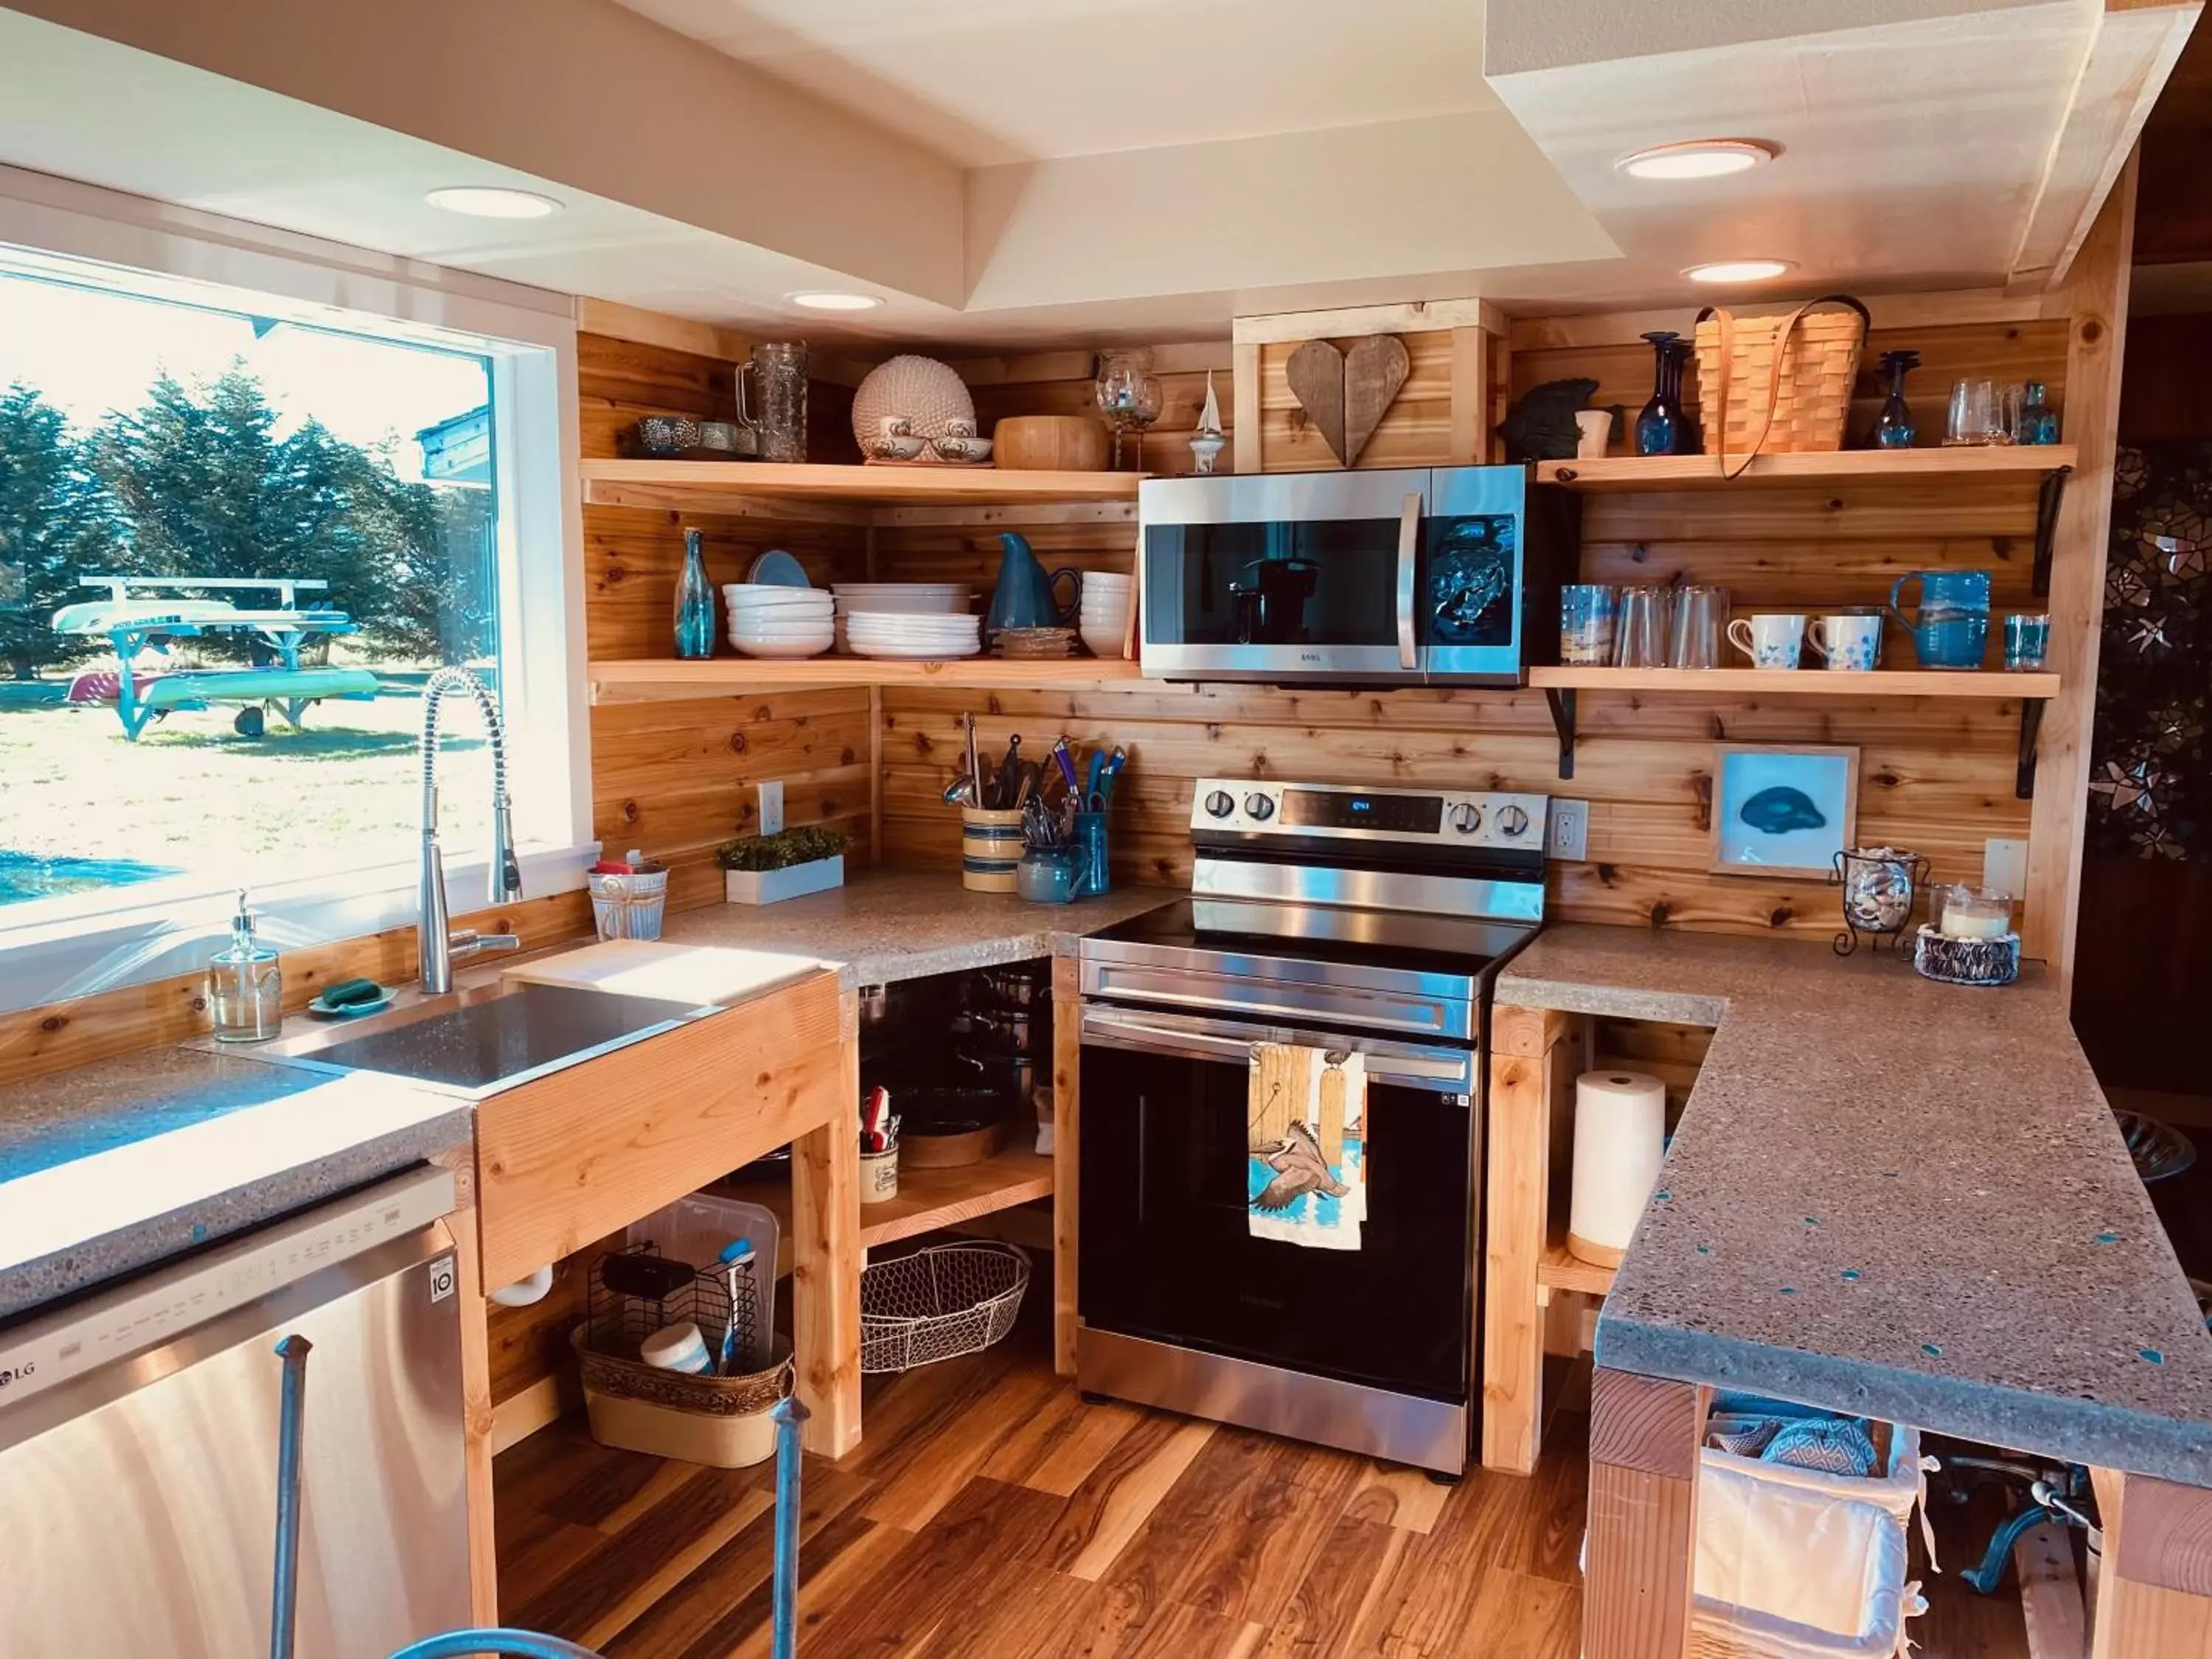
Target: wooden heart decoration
[1315, 373]
[1374, 370]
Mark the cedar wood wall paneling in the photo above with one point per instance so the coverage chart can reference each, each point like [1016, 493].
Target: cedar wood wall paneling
[1935, 775]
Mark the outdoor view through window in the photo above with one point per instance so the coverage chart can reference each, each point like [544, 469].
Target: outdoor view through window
[290, 528]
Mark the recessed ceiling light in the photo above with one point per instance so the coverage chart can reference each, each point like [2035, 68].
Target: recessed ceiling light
[492, 202]
[1701, 158]
[830, 300]
[1738, 270]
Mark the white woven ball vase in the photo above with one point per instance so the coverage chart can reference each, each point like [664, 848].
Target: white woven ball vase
[928, 393]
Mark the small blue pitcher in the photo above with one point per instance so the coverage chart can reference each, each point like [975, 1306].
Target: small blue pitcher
[1024, 596]
[1951, 628]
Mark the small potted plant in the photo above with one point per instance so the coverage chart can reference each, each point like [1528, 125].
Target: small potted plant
[767, 869]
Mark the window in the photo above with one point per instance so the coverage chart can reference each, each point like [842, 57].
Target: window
[237, 534]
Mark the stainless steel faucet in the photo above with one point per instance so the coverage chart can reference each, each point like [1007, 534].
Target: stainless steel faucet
[435, 942]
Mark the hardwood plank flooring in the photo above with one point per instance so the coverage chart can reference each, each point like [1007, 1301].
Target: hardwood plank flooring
[992, 1513]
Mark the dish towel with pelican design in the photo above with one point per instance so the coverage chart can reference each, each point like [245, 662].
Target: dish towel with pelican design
[1305, 1112]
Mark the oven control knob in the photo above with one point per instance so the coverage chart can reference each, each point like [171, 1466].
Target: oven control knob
[1259, 808]
[1220, 802]
[1466, 817]
[1512, 821]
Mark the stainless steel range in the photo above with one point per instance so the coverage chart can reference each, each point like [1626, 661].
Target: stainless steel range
[1331, 918]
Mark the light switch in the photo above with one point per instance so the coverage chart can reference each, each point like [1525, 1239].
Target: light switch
[771, 807]
[2004, 867]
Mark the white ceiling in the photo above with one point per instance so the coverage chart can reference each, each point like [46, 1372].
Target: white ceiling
[1011, 172]
[988, 82]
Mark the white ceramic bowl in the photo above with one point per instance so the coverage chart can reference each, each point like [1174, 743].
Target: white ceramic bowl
[1103, 641]
[963, 449]
[781, 648]
[876, 623]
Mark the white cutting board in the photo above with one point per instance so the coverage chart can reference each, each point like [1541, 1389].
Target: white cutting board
[692, 974]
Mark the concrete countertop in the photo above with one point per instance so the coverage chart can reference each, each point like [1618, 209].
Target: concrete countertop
[898, 925]
[1895, 1198]
[108, 1168]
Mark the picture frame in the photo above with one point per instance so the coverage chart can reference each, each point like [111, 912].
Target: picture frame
[1803, 801]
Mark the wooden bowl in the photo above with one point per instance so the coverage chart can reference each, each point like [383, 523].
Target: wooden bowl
[1051, 443]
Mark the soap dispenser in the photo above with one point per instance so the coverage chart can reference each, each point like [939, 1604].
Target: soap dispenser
[245, 988]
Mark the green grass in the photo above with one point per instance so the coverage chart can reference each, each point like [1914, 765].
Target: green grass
[190, 792]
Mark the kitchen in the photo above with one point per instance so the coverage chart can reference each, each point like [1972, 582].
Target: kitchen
[1461, 860]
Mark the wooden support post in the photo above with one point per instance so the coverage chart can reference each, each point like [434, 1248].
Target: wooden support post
[1066, 1122]
[476, 1420]
[2097, 298]
[2155, 1594]
[1642, 1561]
[1244, 407]
[1523, 1069]
[825, 1204]
[1470, 395]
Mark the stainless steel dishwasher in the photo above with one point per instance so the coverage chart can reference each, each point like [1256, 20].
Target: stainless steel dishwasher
[138, 1445]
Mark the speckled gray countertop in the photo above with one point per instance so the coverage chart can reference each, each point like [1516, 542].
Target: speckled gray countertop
[1893, 1197]
[108, 1168]
[899, 925]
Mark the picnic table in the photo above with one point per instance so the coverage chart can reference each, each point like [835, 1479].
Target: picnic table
[135, 618]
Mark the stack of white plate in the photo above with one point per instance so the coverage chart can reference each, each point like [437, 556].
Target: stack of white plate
[1105, 614]
[913, 634]
[931, 598]
[779, 622]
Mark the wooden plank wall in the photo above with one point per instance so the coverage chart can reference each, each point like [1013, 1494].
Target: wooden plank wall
[1936, 776]
[675, 779]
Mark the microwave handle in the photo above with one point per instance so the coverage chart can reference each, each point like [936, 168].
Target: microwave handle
[1409, 536]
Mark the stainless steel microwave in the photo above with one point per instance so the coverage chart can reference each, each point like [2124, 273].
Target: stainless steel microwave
[1445, 575]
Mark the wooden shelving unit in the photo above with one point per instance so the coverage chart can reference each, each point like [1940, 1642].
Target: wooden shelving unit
[650, 680]
[2026, 462]
[1801, 683]
[1561, 687]
[843, 493]
[927, 1200]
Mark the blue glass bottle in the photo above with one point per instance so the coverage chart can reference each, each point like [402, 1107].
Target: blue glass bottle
[695, 603]
[1893, 427]
[1664, 427]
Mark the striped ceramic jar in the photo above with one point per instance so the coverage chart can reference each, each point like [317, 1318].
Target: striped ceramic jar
[990, 849]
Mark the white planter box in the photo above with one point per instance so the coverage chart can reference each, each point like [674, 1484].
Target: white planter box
[774, 886]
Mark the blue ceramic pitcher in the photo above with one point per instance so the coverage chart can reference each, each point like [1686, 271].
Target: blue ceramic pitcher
[1024, 596]
[1951, 628]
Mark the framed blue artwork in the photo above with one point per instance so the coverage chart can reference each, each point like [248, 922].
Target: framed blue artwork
[1783, 811]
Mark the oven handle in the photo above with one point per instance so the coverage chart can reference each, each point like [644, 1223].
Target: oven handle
[1442, 1071]
[1409, 536]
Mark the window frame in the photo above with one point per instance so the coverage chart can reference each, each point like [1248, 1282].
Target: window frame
[82, 943]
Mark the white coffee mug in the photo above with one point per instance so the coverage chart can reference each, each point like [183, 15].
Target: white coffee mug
[1773, 640]
[1848, 641]
[1594, 430]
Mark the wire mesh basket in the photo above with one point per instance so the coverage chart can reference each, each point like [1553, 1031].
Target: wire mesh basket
[939, 1303]
[636, 1291]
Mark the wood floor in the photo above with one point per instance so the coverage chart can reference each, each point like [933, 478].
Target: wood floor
[991, 1514]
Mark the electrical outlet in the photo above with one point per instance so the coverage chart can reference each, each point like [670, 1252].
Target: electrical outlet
[2004, 867]
[1569, 835]
[771, 807]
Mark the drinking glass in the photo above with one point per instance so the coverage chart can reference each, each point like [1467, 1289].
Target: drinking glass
[1973, 418]
[1701, 616]
[1646, 614]
[1129, 396]
[779, 380]
[2026, 641]
[1586, 623]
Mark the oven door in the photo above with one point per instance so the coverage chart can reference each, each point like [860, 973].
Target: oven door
[1168, 1255]
[1270, 578]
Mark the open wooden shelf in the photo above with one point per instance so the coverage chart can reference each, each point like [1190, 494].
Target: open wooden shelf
[1801, 681]
[1557, 1270]
[2024, 461]
[724, 486]
[927, 1200]
[652, 680]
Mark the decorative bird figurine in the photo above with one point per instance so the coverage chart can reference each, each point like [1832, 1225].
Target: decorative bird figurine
[1299, 1168]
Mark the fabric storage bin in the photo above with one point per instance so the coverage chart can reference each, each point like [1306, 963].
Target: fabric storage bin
[1798, 1563]
[721, 1421]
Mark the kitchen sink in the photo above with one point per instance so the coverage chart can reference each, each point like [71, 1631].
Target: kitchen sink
[486, 1043]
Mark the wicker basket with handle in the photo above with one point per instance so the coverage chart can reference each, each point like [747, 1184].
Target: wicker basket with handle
[1777, 385]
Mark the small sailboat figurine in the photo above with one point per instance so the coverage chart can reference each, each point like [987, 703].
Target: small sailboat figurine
[1206, 443]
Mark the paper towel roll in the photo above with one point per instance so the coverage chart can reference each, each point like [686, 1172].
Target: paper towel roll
[1620, 1131]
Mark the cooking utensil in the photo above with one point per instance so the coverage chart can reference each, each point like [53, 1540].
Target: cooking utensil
[961, 792]
[1090, 779]
[1065, 759]
[975, 766]
[1009, 772]
[1112, 770]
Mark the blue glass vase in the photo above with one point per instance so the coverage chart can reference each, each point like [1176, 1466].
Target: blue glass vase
[1664, 427]
[1893, 427]
[695, 603]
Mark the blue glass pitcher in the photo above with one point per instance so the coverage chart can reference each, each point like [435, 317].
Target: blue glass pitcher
[1951, 628]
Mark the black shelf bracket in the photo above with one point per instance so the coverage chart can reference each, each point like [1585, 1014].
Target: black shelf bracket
[2031, 722]
[1562, 702]
[2048, 494]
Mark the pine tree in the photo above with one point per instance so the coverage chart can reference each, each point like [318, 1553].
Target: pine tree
[53, 528]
